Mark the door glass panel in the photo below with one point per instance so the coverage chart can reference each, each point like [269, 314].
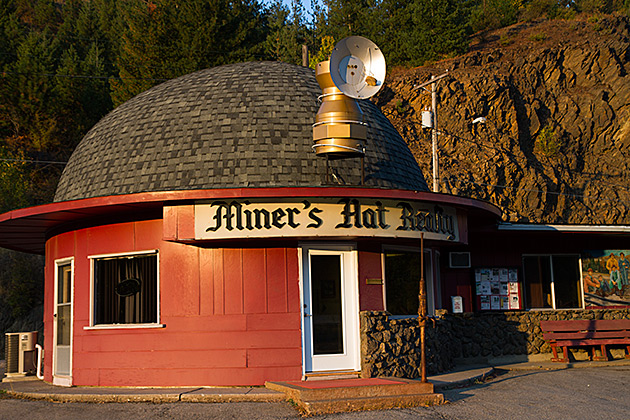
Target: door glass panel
[63, 325]
[326, 304]
[63, 286]
[63, 320]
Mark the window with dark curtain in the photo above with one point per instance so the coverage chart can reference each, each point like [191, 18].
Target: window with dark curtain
[125, 290]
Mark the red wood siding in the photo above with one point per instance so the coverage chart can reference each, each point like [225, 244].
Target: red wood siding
[370, 295]
[231, 315]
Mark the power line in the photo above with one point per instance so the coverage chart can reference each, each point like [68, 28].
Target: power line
[48, 162]
[81, 76]
[506, 152]
[482, 184]
[512, 188]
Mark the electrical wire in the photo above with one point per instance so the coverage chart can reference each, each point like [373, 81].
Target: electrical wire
[506, 152]
[47, 162]
[81, 76]
[482, 184]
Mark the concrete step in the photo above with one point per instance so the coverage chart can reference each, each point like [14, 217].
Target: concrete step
[352, 388]
[369, 403]
[328, 375]
[332, 396]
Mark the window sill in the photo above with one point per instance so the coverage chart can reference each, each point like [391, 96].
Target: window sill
[551, 309]
[123, 326]
[403, 316]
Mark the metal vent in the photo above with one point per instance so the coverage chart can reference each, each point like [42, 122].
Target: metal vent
[459, 259]
[12, 352]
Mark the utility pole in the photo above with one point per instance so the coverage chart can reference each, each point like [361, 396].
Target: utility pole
[422, 314]
[434, 136]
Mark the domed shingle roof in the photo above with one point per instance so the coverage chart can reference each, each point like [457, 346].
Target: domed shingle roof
[238, 125]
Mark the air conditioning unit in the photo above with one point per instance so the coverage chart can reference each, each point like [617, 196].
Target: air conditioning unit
[459, 259]
[21, 353]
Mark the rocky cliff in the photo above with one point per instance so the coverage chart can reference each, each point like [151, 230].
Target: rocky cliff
[555, 96]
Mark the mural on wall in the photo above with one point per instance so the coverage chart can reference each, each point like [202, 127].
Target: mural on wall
[605, 276]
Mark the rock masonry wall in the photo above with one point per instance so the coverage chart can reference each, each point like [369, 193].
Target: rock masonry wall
[391, 346]
[556, 98]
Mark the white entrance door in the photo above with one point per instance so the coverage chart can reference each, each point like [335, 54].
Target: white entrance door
[62, 325]
[330, 309]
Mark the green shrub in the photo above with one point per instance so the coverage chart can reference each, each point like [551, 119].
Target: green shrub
[538, 37]
[547, 142]
[505, 40]
[401, 107]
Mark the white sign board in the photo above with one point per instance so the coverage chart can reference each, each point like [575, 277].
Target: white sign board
[325, 217]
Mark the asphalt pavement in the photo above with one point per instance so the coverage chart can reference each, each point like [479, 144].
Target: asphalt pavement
[521, 391]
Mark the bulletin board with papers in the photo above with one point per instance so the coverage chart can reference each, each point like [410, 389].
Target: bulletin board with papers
[498, 289]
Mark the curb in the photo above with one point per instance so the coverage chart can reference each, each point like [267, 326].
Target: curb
[148, 398]
[483, 374]
[545, 365]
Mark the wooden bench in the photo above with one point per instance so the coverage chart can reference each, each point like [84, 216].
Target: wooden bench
[593, 333]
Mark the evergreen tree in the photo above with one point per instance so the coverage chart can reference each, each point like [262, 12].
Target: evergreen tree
[440, 28]
[493, 14]
[323, 52]
[164, 39]
[396, 18]
[38, 14]
[14, 183]
[287, 32]
[342, 18]
[26, 99]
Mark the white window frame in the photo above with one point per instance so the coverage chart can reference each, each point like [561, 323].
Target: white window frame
[430, 283]
[63, 380]
[156, 324]
[553, 284]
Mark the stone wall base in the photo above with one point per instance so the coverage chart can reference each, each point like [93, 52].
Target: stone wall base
[391, 346]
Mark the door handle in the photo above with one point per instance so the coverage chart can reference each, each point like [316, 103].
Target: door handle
[306, 315]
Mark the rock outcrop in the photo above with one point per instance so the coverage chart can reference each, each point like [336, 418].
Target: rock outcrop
[556, 99]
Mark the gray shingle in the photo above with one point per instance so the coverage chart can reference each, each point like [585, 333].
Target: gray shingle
[246, 124]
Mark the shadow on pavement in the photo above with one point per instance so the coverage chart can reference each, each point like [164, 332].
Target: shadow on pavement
[499, 375]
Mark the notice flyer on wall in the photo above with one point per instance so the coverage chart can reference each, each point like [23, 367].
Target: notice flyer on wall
[495, 286]
[497, 289]
[504, 289]
[485, 288]
[513, 277]
[485, 303]
[495, 303]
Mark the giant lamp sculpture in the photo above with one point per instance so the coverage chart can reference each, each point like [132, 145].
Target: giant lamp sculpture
[356, 70]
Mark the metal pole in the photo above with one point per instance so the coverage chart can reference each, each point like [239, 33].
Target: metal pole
[362, 170]
[304, 55]
[327, 170]
[422, 313]
[436, 179]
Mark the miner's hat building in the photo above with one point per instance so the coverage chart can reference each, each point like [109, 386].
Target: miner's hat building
[197, 239]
